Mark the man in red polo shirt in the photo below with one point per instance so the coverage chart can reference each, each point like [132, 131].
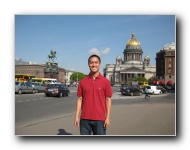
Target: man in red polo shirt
[94, 101]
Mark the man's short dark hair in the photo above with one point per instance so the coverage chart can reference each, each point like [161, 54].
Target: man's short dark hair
[94, 56]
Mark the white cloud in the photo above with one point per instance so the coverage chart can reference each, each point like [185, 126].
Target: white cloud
[99, 52]
[105, 51]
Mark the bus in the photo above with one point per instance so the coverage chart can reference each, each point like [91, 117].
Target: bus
[23, 77]
[44, 80]
[143, 84]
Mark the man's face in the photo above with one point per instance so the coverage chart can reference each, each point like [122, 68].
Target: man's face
[94, 64]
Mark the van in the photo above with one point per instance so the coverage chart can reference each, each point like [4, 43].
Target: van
[44, 80]
[153, 89]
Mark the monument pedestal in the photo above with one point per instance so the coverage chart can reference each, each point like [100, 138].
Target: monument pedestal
[51, 70]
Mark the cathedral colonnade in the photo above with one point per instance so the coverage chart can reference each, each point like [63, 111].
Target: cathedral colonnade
[124, 77]
[131, 56]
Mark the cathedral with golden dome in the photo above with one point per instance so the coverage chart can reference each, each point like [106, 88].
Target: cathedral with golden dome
[132, 64]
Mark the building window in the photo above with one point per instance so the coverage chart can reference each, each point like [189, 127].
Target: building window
[169, 65]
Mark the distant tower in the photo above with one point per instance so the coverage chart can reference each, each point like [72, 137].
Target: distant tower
[118, 60]
[147, 60]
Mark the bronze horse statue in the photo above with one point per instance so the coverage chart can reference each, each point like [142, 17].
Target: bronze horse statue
[52, 55]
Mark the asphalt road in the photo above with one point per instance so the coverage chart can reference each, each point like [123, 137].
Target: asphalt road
[130, 115]
[34, 108]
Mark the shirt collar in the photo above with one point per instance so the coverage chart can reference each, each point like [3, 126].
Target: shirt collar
[98, 77]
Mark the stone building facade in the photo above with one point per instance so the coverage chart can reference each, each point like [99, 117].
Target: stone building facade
[38, 71]
[165, 64]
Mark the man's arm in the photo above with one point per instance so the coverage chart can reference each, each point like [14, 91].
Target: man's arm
[78, 110]
[108, 111]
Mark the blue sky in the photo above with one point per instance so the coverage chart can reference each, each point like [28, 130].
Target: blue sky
[75, 37]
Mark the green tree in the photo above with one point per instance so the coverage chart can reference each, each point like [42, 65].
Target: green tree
[150, 80]
[77, 76]
[139, 79]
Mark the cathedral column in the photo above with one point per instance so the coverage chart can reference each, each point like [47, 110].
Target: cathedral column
[120, 78]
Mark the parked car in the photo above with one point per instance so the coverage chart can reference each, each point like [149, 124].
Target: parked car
[59, 90]
[163, 89]
[153, 89]
[39, 87]
[131, 90]
[123, 86]
[169, 87]
[24, 87]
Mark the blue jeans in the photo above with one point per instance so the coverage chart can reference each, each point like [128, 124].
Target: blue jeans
[87, 127]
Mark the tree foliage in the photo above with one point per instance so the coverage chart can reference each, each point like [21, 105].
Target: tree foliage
[77, 76]
[150, 80]
[142, 79]
[139, 79]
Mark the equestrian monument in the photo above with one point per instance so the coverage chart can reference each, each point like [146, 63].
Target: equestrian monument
[51, 70]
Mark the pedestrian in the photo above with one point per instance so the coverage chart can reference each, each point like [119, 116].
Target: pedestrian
[94, 101]
[146, 93]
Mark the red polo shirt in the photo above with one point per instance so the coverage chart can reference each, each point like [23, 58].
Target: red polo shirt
[94, 92]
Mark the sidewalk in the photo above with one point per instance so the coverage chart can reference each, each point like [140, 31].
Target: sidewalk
[126, 120]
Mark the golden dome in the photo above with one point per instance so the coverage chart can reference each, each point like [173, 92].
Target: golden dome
[133, 41]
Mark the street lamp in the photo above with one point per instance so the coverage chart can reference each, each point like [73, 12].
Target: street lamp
[65, 77]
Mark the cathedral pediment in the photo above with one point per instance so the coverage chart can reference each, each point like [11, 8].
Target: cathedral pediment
[132, 69]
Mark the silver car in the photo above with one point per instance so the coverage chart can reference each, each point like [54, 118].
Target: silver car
[39, 87]
[24, 87]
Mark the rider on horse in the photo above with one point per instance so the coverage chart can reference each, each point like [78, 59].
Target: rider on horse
[52, 55]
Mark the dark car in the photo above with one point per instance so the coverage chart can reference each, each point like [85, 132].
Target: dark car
[123, 86]
[58, 90]
[131, 90]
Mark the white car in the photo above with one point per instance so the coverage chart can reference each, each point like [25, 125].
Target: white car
[153, 89]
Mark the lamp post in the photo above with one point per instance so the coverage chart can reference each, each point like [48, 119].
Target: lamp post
[65, 77]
